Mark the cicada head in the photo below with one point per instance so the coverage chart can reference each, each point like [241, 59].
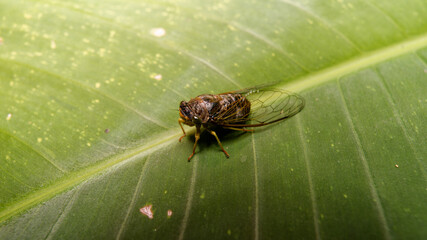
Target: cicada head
[187, 114]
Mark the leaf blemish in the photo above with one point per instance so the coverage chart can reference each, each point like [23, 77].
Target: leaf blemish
[112, 33]
[158, 32]
[52, 44]
[156, 76]
[146, 210]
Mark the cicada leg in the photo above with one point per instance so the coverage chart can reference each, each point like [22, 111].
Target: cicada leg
[197, 136]
[219, 142]
[180, 121]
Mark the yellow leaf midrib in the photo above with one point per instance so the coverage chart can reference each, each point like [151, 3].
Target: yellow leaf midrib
[365, 60]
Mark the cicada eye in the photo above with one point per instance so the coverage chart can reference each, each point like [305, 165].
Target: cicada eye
[184, 110]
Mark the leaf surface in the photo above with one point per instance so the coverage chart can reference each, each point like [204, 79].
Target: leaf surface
[89, 133]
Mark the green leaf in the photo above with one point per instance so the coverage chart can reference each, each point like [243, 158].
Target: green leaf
[89, 132]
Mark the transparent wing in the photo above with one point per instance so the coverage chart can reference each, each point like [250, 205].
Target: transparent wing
[267, 105]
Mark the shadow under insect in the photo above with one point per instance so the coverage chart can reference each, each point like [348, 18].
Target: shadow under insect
[208, 141]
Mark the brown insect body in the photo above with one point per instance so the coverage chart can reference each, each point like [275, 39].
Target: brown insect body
[213, 110]
[252, 107]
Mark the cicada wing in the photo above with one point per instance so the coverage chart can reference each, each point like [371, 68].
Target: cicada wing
[225, 112]
[274, 105]
[266, 106]
[251, 90]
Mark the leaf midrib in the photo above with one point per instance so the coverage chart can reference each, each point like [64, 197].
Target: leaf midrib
[79, 176]
[300, 84]
[365, 60]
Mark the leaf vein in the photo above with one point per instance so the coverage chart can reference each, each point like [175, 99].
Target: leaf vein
[399, 121]
[269, 43]
[386, 15]
[128, 28]
[213, 67]
[372, 188]
[310, 181]
[423, 60]
[64, 213]
[324, 22]
[256, 228]
[90, 89]
[50, 161]
[189, 199]
[132, 203]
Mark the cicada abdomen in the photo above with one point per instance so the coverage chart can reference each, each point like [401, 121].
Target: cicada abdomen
[238, 110]
[231, 107]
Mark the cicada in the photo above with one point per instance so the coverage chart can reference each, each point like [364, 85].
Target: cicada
[239, 110]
